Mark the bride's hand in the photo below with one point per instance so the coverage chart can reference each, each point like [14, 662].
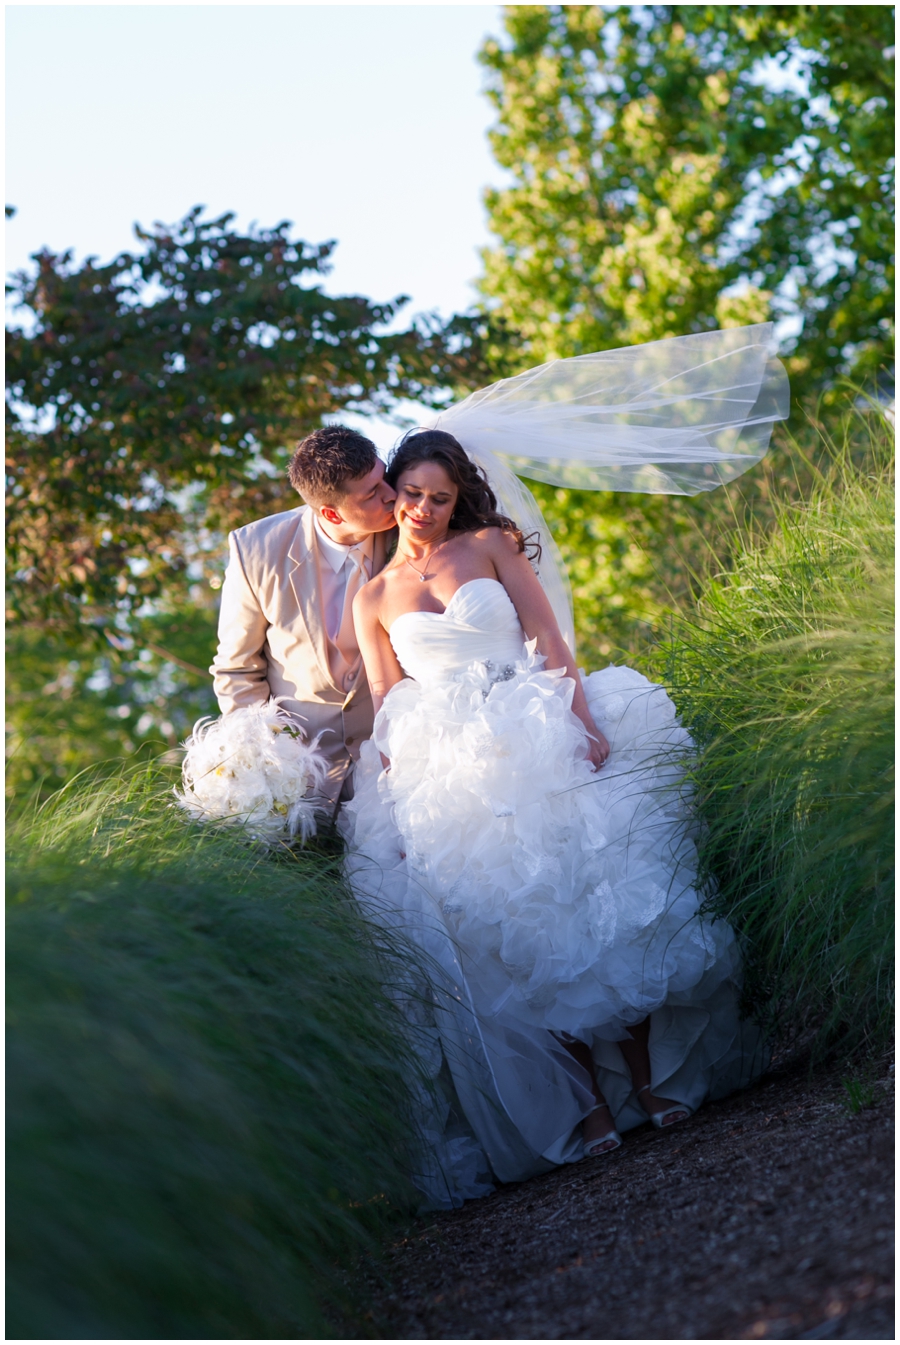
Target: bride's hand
[598, 749]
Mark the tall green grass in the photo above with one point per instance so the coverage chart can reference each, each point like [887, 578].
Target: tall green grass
[784, 673]
[206, 1083]
[206, 1099]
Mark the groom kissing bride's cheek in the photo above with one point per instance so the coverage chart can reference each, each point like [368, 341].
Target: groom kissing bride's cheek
[286, 620]
[523, 825]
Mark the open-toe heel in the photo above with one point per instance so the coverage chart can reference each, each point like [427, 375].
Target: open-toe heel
[680, 1111]
[591, 1146]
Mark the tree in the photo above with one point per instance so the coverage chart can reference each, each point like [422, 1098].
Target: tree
[152, 402]
[74, 701]
[681, 167]
[673, 168]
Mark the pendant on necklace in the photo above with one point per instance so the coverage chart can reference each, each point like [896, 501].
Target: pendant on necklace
[421, 579]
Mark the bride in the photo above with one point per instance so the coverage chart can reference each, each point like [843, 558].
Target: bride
[528, 828]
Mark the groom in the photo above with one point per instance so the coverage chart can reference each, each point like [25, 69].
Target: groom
[286, 624]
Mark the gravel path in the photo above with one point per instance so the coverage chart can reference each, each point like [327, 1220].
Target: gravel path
[766, 1216]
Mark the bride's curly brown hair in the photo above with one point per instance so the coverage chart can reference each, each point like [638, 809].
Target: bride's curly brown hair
[476, 504]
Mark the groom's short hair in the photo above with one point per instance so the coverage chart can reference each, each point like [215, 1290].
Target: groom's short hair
[326, 460]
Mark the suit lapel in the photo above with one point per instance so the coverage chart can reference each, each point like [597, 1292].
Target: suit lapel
[304, 577]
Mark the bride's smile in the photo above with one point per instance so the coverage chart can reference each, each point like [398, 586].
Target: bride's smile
[426, 498]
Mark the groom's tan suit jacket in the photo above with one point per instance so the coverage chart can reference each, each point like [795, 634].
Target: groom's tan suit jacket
[273, 641]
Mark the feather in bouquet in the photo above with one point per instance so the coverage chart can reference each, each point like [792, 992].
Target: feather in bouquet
[252, 767]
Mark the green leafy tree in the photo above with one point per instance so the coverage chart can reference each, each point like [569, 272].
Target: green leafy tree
[73, 700]
[681, 167]
[675, 168]
[152, 404]
[153, 401]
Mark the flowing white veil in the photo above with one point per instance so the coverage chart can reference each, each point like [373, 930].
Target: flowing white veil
[673, 417]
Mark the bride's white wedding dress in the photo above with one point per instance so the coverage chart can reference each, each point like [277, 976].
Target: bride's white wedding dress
[544, 898]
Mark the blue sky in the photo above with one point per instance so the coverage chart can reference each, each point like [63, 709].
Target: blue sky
[360, 123]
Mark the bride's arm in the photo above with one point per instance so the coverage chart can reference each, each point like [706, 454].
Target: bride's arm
[382, 669]
[538, 622]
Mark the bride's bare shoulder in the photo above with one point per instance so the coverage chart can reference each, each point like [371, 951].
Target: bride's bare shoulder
[495, 542]
[372, 597]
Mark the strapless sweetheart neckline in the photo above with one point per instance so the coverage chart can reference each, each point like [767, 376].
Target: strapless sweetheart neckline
[468, 584]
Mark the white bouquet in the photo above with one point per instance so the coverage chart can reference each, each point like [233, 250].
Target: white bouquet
[253, 767]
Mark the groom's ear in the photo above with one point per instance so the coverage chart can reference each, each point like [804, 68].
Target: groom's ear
[330, 515]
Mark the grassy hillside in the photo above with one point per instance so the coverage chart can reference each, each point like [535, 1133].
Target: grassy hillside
[206, 1097]
[207, 1080]
[784, 672]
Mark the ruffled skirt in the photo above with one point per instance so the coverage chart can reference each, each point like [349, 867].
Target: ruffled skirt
[544, 900]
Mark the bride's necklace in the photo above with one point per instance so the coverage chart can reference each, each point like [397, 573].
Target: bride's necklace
[423, 573]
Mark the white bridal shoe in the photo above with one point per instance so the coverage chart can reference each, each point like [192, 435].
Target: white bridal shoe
[591, 1145]
[679, 1110]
